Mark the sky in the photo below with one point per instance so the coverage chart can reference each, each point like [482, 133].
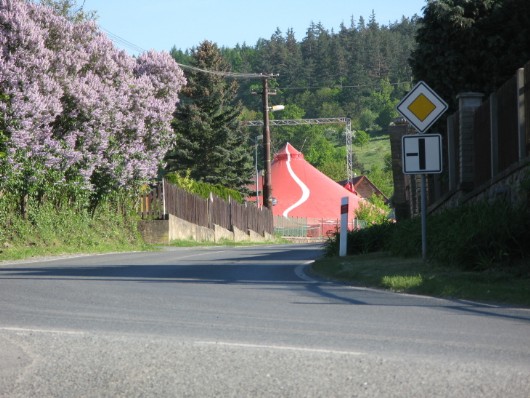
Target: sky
[161, 24]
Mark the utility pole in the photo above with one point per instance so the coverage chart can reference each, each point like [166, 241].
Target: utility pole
[267, 187]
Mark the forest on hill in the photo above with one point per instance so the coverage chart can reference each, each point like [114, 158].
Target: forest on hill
[360, 71]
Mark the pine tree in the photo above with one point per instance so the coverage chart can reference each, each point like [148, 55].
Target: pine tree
[210, 141]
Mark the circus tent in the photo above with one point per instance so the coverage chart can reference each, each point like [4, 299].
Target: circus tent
[301, 190]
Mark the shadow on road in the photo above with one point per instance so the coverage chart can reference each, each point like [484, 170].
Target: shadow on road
[248, 267]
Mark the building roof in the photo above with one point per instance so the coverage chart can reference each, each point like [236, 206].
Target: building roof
[362, 186]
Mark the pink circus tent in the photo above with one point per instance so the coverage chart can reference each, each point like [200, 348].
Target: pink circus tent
[301, 190]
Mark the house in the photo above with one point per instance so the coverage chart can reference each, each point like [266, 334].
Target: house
[362, 186]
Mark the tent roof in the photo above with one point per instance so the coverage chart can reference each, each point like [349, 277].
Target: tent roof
[303, 191]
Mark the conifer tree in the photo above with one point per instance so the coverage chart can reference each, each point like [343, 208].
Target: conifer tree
[210, 140]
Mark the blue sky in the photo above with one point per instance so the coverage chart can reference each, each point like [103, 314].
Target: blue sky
[162, 24]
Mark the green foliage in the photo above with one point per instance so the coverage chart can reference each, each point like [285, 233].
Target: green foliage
[323, 151]
[488, 235]
[412, 275]
[361, 138]
[70, 10]
[210, 140]
[471, 237]
[334, 169]
[373, 212]
[59, 226]
[359, 71]
[382, 179]
[471, 45]
[203, 189]
[373, 238]
[367, 119]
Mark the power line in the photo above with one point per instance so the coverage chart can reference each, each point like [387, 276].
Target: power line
[233, 75]
[121, 41]
[125, 43]
[340, 87]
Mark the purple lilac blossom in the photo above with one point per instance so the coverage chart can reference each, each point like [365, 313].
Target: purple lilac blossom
[73, 103]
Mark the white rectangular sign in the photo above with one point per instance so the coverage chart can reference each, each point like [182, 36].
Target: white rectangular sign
[422, 154]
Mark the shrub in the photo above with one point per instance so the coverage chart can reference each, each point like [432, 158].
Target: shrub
[203, 189]
[370, 239]
[480, 236]
[474, 237]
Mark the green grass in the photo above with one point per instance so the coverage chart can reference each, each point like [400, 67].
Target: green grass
[412, 275]
[51, 232]
[40, 249]
[373, 152]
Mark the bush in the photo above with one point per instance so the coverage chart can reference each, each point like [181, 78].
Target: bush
[480, 236]
[472, 237]
[203, 189]
[365, 240]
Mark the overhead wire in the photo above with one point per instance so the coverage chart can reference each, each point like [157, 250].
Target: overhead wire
[125, 43]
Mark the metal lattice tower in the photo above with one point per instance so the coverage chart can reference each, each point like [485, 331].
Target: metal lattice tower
[329, 120]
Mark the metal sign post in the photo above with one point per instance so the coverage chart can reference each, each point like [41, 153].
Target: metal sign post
[422, 153]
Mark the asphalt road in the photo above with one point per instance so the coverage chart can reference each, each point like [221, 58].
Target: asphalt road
[243, 322]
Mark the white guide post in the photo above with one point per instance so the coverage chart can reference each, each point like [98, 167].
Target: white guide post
[343, 227]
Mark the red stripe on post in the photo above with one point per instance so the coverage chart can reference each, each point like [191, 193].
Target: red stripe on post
[344, 209]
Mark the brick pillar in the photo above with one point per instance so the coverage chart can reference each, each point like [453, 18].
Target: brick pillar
[467, 103]
[521, 122]
[401, 197]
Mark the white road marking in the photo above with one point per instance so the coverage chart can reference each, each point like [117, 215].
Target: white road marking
[299, 272]
[31, 330]
[277, 347]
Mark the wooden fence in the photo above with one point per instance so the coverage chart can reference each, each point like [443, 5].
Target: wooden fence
[166, 198]
[486, 151]
[499, 143]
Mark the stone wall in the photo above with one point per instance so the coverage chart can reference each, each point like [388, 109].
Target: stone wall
[163, 232]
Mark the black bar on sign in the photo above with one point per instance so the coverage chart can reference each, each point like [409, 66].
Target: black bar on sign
[421, 150]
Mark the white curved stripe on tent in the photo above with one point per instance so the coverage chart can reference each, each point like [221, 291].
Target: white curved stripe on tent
[305, 189]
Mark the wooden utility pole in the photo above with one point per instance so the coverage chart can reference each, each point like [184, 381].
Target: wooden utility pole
[267, 188]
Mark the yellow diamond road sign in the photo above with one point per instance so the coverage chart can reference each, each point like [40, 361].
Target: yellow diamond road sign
[422, 107]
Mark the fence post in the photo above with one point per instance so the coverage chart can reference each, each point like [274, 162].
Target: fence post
[164, 199]
[451, 154]
[521, 141]
[467, 103]
[494, 123]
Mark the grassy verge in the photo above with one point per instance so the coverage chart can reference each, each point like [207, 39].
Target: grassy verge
[108, 245]
[41, 249]
[412, 275]
[50, 232]
[372, 153]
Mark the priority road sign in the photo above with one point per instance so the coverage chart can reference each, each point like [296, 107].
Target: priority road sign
[422, 154]
[422, 107]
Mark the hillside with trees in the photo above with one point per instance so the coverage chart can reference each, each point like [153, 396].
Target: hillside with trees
[360, 71]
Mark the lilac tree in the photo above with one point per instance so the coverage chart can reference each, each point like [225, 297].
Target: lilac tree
[75, 112]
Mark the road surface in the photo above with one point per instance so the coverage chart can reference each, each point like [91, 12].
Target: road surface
[243, 322]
